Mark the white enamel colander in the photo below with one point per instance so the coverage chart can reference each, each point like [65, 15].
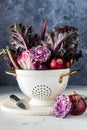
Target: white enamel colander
[42, 86]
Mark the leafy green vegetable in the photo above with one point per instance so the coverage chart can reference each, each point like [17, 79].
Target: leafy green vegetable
[23, 36]
[60, 42]
[63, 42]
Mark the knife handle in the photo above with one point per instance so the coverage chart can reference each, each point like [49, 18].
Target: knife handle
[14, 97]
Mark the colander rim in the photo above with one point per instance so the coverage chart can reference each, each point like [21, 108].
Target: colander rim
[41, 72]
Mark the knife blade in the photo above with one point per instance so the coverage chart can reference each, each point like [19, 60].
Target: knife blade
[18, 101]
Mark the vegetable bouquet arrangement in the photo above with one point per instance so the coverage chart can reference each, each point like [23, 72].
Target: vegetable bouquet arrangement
[56, 49]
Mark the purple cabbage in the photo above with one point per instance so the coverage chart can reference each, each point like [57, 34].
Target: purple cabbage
[34, 58]
[38, 66]
[62, 106]
[40, 54]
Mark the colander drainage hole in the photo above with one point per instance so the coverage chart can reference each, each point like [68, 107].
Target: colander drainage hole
[42, 92]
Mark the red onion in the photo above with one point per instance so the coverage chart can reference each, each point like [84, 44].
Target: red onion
[78, 104]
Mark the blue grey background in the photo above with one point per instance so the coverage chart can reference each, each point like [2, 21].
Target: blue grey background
[35, 12]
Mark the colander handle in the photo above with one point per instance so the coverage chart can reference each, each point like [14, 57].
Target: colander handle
[67, 74]
[60, 78]
[11, 73]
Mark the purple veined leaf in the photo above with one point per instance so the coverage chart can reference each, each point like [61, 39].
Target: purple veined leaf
[28, 30]
[62, 37]
[18, 36]
[14, 42]
[57, 44]
[50, 39]
[43, 30]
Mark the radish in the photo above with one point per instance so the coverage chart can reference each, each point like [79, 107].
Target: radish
[57, 63]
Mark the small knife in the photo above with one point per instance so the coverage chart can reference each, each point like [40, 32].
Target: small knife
[18, 101]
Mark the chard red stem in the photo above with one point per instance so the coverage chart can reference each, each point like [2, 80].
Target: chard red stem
[13, 59]
[43, 30]
[59, 44]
